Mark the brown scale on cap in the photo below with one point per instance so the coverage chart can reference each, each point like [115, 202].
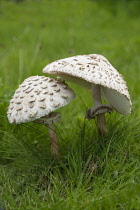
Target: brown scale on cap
[31, 105]
[56, 89]
[54, 85]
[17, 95]
[56, 104]
[31, 99]
[45, 91]
[42, 105]
[44, 86]
[31, 95]
[33, 114]
[18, 101]
[29, 90]
[42, 98]
[64, 95]
[19, 107]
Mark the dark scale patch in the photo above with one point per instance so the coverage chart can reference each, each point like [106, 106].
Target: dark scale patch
[43, 86]
[31, 105]
[54, 85]
[42, 105]
[17, 95]
[93, 56]
[55, 104]
[32, 100]
[18, 101]
[56, 89]
[29, 90]
[42, 98]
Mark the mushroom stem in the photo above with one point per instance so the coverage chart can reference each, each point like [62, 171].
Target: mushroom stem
[101, 122]
[96, 94]
[48, 121]
[54, 141]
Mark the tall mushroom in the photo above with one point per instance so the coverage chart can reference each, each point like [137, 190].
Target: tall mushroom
[94, 72]
[36, 99]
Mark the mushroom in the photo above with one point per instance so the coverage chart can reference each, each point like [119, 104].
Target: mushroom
[94, 72]
[36, 99]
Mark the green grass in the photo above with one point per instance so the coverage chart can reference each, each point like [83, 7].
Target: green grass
[94, 173]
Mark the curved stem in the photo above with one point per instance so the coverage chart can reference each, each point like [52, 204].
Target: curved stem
[101, 122]
[48, 121]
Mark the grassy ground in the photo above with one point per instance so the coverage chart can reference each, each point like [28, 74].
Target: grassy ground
[95, 173]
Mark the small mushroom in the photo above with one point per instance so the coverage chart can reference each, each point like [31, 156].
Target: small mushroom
[40, 108]
[95, 73]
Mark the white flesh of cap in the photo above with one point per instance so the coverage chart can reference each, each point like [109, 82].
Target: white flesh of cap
[87, 69]
[36, 97]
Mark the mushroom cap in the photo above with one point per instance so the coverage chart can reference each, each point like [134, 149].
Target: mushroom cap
[36, 97]
[94, 68]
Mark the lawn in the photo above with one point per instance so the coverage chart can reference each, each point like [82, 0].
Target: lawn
[94, 172]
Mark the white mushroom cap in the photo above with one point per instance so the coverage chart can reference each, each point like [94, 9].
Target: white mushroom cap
[93, 68]
[36, 97]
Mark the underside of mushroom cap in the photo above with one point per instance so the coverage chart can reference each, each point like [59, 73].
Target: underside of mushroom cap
[36, 97]
[93, 68]
[119, 102]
